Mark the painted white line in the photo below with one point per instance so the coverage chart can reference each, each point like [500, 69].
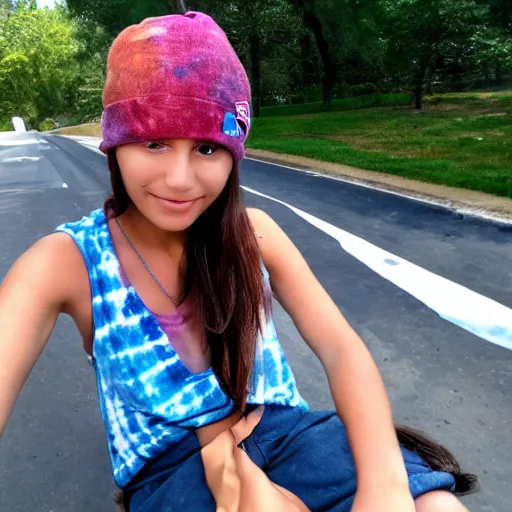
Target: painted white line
[473, 312]
[17, 142]
[20, 159]
[447, 204]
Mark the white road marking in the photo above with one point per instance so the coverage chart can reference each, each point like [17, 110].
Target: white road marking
[473, 312]
[17, 141]
[447, 204]
[21, 159]
[13, 140]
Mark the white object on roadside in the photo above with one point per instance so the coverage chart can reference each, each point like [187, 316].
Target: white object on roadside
[19, 124]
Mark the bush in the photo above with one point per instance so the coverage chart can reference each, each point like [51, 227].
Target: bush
[6, 125]
[48, 124]
[342, 90]
[365, 88]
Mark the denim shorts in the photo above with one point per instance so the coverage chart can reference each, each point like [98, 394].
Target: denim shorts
[306, 452]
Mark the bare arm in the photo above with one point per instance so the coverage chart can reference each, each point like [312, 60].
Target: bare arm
[34, 292]
[356, 386]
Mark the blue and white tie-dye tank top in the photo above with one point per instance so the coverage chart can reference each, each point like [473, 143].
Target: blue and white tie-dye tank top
[149, 399]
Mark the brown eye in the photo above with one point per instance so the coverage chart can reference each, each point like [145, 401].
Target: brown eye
[153, 146]
[207, 149]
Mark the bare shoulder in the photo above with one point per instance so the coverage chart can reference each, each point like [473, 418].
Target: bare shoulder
[51, 267]
[262, 223]
[56, 253]
[273, 242]
[259, 219]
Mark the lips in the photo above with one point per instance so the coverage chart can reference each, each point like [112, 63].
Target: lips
[173, 204]
[175, 201]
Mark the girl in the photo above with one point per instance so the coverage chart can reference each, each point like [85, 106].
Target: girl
[170, 286]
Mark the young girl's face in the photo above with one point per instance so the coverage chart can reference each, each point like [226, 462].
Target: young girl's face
[172, 182]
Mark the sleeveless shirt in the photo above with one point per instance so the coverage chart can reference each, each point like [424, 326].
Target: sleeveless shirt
[149, 400]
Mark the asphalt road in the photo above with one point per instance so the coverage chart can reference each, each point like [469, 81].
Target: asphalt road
[441, 379]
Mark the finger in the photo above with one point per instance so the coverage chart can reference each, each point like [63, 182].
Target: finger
[258, 493]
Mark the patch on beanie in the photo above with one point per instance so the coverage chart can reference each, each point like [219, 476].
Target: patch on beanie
[243, 115]
[231, 126]
[239, 124]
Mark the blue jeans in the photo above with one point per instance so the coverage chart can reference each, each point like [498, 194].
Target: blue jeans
[306, 452]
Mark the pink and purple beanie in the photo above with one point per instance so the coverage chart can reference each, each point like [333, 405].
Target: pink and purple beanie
[175, 77]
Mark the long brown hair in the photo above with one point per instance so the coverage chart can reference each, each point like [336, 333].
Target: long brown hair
[223, 279]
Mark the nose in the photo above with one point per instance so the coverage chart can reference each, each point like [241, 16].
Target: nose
[179, 175]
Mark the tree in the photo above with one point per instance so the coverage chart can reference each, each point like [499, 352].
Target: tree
[255, 28]
[115, 15]
[492, 52]
[37, 62]
[493, 39]
[5, 7]
[346, 35]
[423, 33]
[19, 5]
[306, 8]
[500, 12]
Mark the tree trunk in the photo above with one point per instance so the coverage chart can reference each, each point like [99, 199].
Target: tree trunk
[329, 65]
[255, 51]
[429, 76]
[498, 73]
[418, 96]
[419, 80]
[308, 71]
[329, 72]
[487, 74]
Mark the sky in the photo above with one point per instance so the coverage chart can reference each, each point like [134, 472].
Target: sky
[46, 3]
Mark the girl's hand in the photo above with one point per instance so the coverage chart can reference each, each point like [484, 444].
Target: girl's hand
[384, 500]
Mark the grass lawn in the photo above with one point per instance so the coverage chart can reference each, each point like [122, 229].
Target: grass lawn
[460, 140]
[89, 130]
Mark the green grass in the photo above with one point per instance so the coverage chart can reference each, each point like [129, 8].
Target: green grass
[438, 145]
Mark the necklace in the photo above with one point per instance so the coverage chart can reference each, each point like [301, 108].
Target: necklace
[146, 266]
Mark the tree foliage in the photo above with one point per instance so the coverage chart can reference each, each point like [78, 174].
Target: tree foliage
[53, 61]
[427, 36]
[37, 62]
[256, 30]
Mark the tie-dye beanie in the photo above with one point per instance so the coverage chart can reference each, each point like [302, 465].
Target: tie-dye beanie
[175, 77]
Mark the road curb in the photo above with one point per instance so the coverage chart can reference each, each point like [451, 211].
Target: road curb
[467, 203]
